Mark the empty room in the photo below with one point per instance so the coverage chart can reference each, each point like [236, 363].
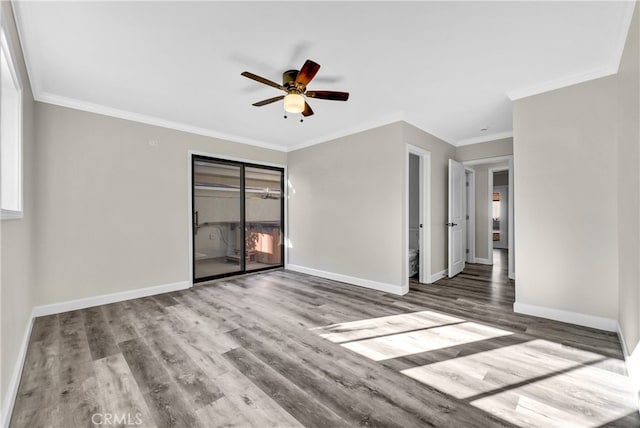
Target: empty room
[320, 214]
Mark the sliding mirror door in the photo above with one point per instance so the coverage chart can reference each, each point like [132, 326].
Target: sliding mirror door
[263, 213]
[238, 218]
[217, 215]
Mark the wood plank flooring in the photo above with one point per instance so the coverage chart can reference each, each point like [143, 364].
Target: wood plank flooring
[282, 349]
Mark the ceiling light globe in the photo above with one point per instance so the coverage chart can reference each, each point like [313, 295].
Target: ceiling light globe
[294, 103]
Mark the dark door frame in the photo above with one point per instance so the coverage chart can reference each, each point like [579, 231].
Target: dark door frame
[242, 165]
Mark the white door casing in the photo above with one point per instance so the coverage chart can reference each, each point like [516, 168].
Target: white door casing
[456, 224]
[504, 217]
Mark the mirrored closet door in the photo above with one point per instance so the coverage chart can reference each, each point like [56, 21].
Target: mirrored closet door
[238, 213]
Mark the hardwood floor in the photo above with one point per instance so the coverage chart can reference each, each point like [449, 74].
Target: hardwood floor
[288, 350]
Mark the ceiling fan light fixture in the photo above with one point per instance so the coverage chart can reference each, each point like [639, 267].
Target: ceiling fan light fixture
[294, 103]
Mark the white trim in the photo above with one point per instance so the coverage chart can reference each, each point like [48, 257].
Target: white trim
[12, 215]
[6, 45]
[511, 262]
[490, 172]
[563, 82]
[632, 370]
[12, 389]
[425, 215]
[471, 213]
[484, 138]
[606, 324]
[622, 36]
[105, 299]
[190, 205]
[438, 275]
[503, 190]
[361, 282]
[496, 159]
[150, 120]
[482, 261]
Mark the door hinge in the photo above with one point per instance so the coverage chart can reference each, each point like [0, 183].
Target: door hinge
[467, 217]
[467, 251]
[467, 184]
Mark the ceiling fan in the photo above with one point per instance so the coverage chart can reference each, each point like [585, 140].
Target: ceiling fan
[294, 83]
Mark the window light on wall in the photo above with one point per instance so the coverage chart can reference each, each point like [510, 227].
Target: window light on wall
[10, 132]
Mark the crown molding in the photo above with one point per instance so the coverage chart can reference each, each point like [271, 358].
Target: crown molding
[484, 138]
[551, 85]
[151, 120]
[623, 34]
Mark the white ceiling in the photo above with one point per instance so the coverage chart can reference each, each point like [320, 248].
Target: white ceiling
[448, 68]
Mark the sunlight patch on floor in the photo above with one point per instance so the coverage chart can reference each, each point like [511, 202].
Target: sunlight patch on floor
[479, 373]
[382, 326]
[538, 383]
[587, 396]
[414, 342]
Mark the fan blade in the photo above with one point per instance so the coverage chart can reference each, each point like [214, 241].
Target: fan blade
[262, 80]
[307, 110]
[268, 101]
[307, 72]
[328, 95]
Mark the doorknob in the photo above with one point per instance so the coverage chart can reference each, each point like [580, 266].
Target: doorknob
[451, 224]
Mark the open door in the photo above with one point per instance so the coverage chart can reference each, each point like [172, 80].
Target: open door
[456, 224]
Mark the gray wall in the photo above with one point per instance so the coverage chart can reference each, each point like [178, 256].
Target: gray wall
[18, 236]
[565, 162]
[345, 205]
[114, 207]
[346, 210]
[628, 178]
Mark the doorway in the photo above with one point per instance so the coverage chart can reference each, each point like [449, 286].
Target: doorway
[483, 195]
[470, 178]
[417, 252]
[499, 219]
[238, 217]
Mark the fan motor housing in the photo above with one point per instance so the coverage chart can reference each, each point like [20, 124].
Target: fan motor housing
[289, 76]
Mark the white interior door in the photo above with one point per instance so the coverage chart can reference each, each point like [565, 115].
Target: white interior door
[456, 224]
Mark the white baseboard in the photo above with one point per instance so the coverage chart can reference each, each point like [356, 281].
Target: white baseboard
[576, 318]
[438, 275]
[360, 282]
[482, 261]
[633, 367]
[12, 389]
[73, 305]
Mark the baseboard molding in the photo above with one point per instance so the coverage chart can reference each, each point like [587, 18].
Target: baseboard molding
[360, 282]
[482, 261]
[104, 299]
[14, 382]
[606, 324]
[438, 275]
[633, 368]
